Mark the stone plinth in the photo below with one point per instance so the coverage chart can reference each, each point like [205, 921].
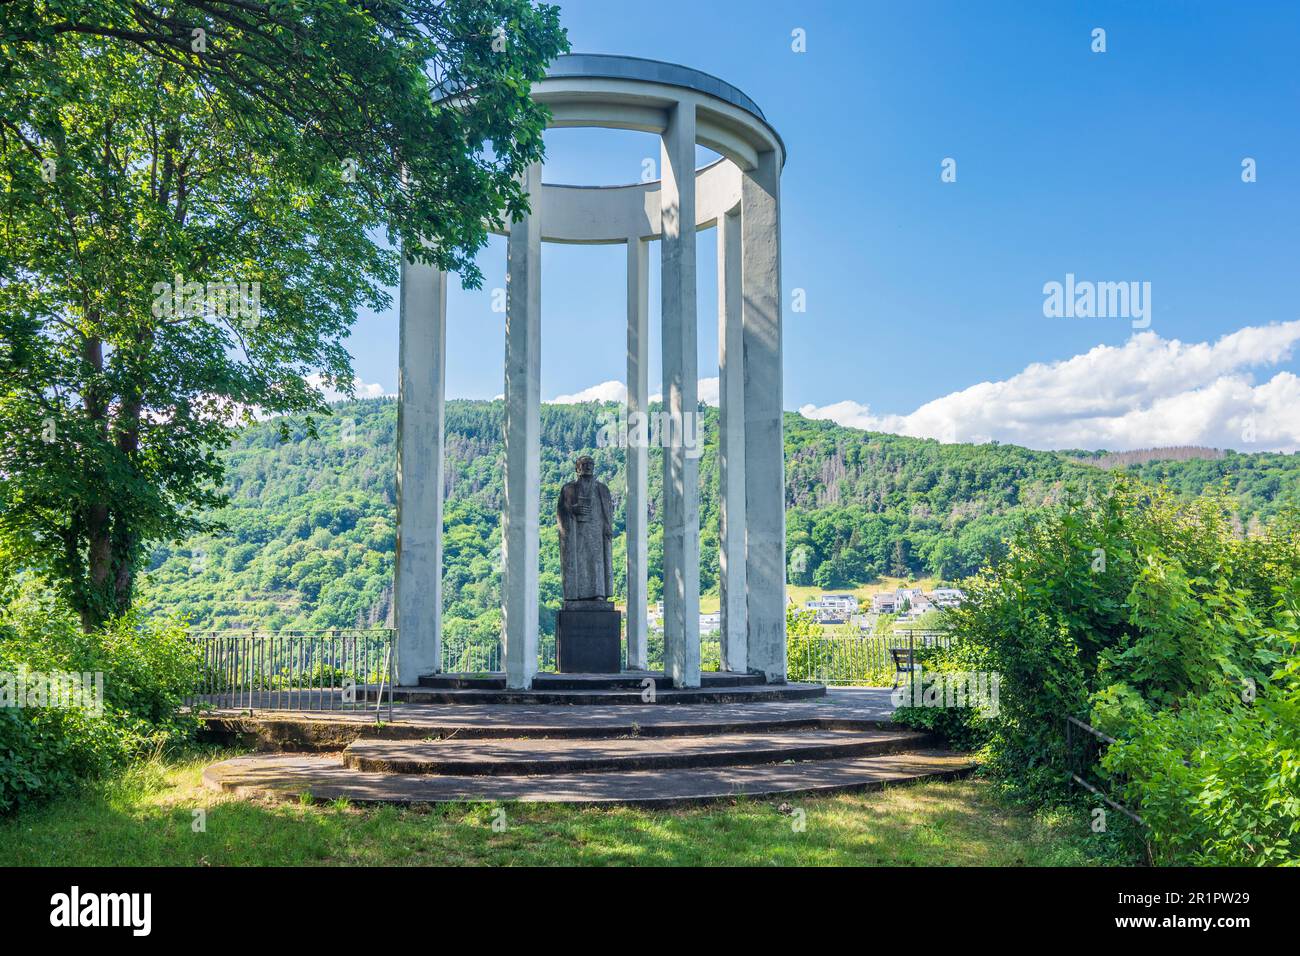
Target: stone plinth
[587, 635]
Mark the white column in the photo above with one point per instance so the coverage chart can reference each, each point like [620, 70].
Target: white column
[731, 447]
[421, 376]
[764, 442]
[680, 388]
[637, 455]
[519, 541]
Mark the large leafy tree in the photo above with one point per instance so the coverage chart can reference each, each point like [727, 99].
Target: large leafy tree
[194, 199]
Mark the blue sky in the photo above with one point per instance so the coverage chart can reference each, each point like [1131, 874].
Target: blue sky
[924, 298]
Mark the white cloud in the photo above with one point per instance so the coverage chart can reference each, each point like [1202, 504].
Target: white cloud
[610, 391]
[613, 391]
[1148, 392]
[706, 389]
[709, 391]
[363, 389]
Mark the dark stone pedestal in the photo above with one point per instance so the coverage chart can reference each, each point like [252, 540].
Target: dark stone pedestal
[587, 635]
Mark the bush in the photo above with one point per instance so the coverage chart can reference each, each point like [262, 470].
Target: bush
[147, 669]
[964, 728]
[1155, 621]
[1217, 779]
[47, 750]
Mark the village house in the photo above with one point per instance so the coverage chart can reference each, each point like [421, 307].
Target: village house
[911, 601]
[947, 597]
[833, 608]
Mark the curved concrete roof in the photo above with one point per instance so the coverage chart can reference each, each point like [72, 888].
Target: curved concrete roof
[614, 67]
[568, 78]
[628, 92]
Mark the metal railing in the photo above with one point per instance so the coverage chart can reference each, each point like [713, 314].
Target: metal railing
[469, 657]
[351, 669]
[854, 660]
[847, 660]
[339, 669]
[1083, 751]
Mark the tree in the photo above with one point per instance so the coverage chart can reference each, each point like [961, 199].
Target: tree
[193, 203]
[800, 622]
[334, 80]
[898, 563]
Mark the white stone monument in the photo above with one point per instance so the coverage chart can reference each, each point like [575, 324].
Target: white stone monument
[739, 194]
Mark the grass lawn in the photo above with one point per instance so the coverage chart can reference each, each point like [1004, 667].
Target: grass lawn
[146, 817]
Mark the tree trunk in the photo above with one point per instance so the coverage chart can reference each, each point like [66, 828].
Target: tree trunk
[99, 548]
[124, 539]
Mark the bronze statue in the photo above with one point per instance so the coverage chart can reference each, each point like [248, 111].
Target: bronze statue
[585, 512]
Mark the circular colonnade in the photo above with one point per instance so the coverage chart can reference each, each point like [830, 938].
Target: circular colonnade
[739, 195]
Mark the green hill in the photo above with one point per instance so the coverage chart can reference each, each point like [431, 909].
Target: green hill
[309, 531]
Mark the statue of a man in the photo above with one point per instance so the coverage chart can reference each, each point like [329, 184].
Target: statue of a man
[585, 512]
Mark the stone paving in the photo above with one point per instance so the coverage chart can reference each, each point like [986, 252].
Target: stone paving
[843, 708]
[650, 755]
[854, 703]
[567, 755]
[289, 776]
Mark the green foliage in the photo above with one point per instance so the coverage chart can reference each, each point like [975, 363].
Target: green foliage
[1263, 483]
[1217, 781]
[312, 83]
[310, 523]
[147, 668]
[800, 622]
[272, 154]
[963, 728]
[47, 751]
[310, 517]
[1211, 756]
[1154, 621]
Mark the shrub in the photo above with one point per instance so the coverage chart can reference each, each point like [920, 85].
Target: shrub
[49, 750]
[1217, 780]
[964, 728]
[1149, 618]
[147, 670]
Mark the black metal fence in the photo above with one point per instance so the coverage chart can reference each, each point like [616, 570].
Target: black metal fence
[340, 669]
[1083, 747]
[856, 660]
[352, 668]
[845, 660]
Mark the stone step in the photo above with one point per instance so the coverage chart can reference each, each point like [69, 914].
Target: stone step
[635, 680]
[627, 680]
[839, 709]
[464, 681]
[320, 732]
[290, 776]
[534, 757]
[740, 693]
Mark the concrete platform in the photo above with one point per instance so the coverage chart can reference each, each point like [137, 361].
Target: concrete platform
[623, 680]
[533, 757]
[837, 709]
[290, 776]
[601, 689]
[599, 754]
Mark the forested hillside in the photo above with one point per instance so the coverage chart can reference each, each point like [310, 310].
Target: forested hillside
[1140, 456]
[1262, 483]
[310, 533]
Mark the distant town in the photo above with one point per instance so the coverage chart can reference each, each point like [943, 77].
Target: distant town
[906, 605]
[903, 605]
